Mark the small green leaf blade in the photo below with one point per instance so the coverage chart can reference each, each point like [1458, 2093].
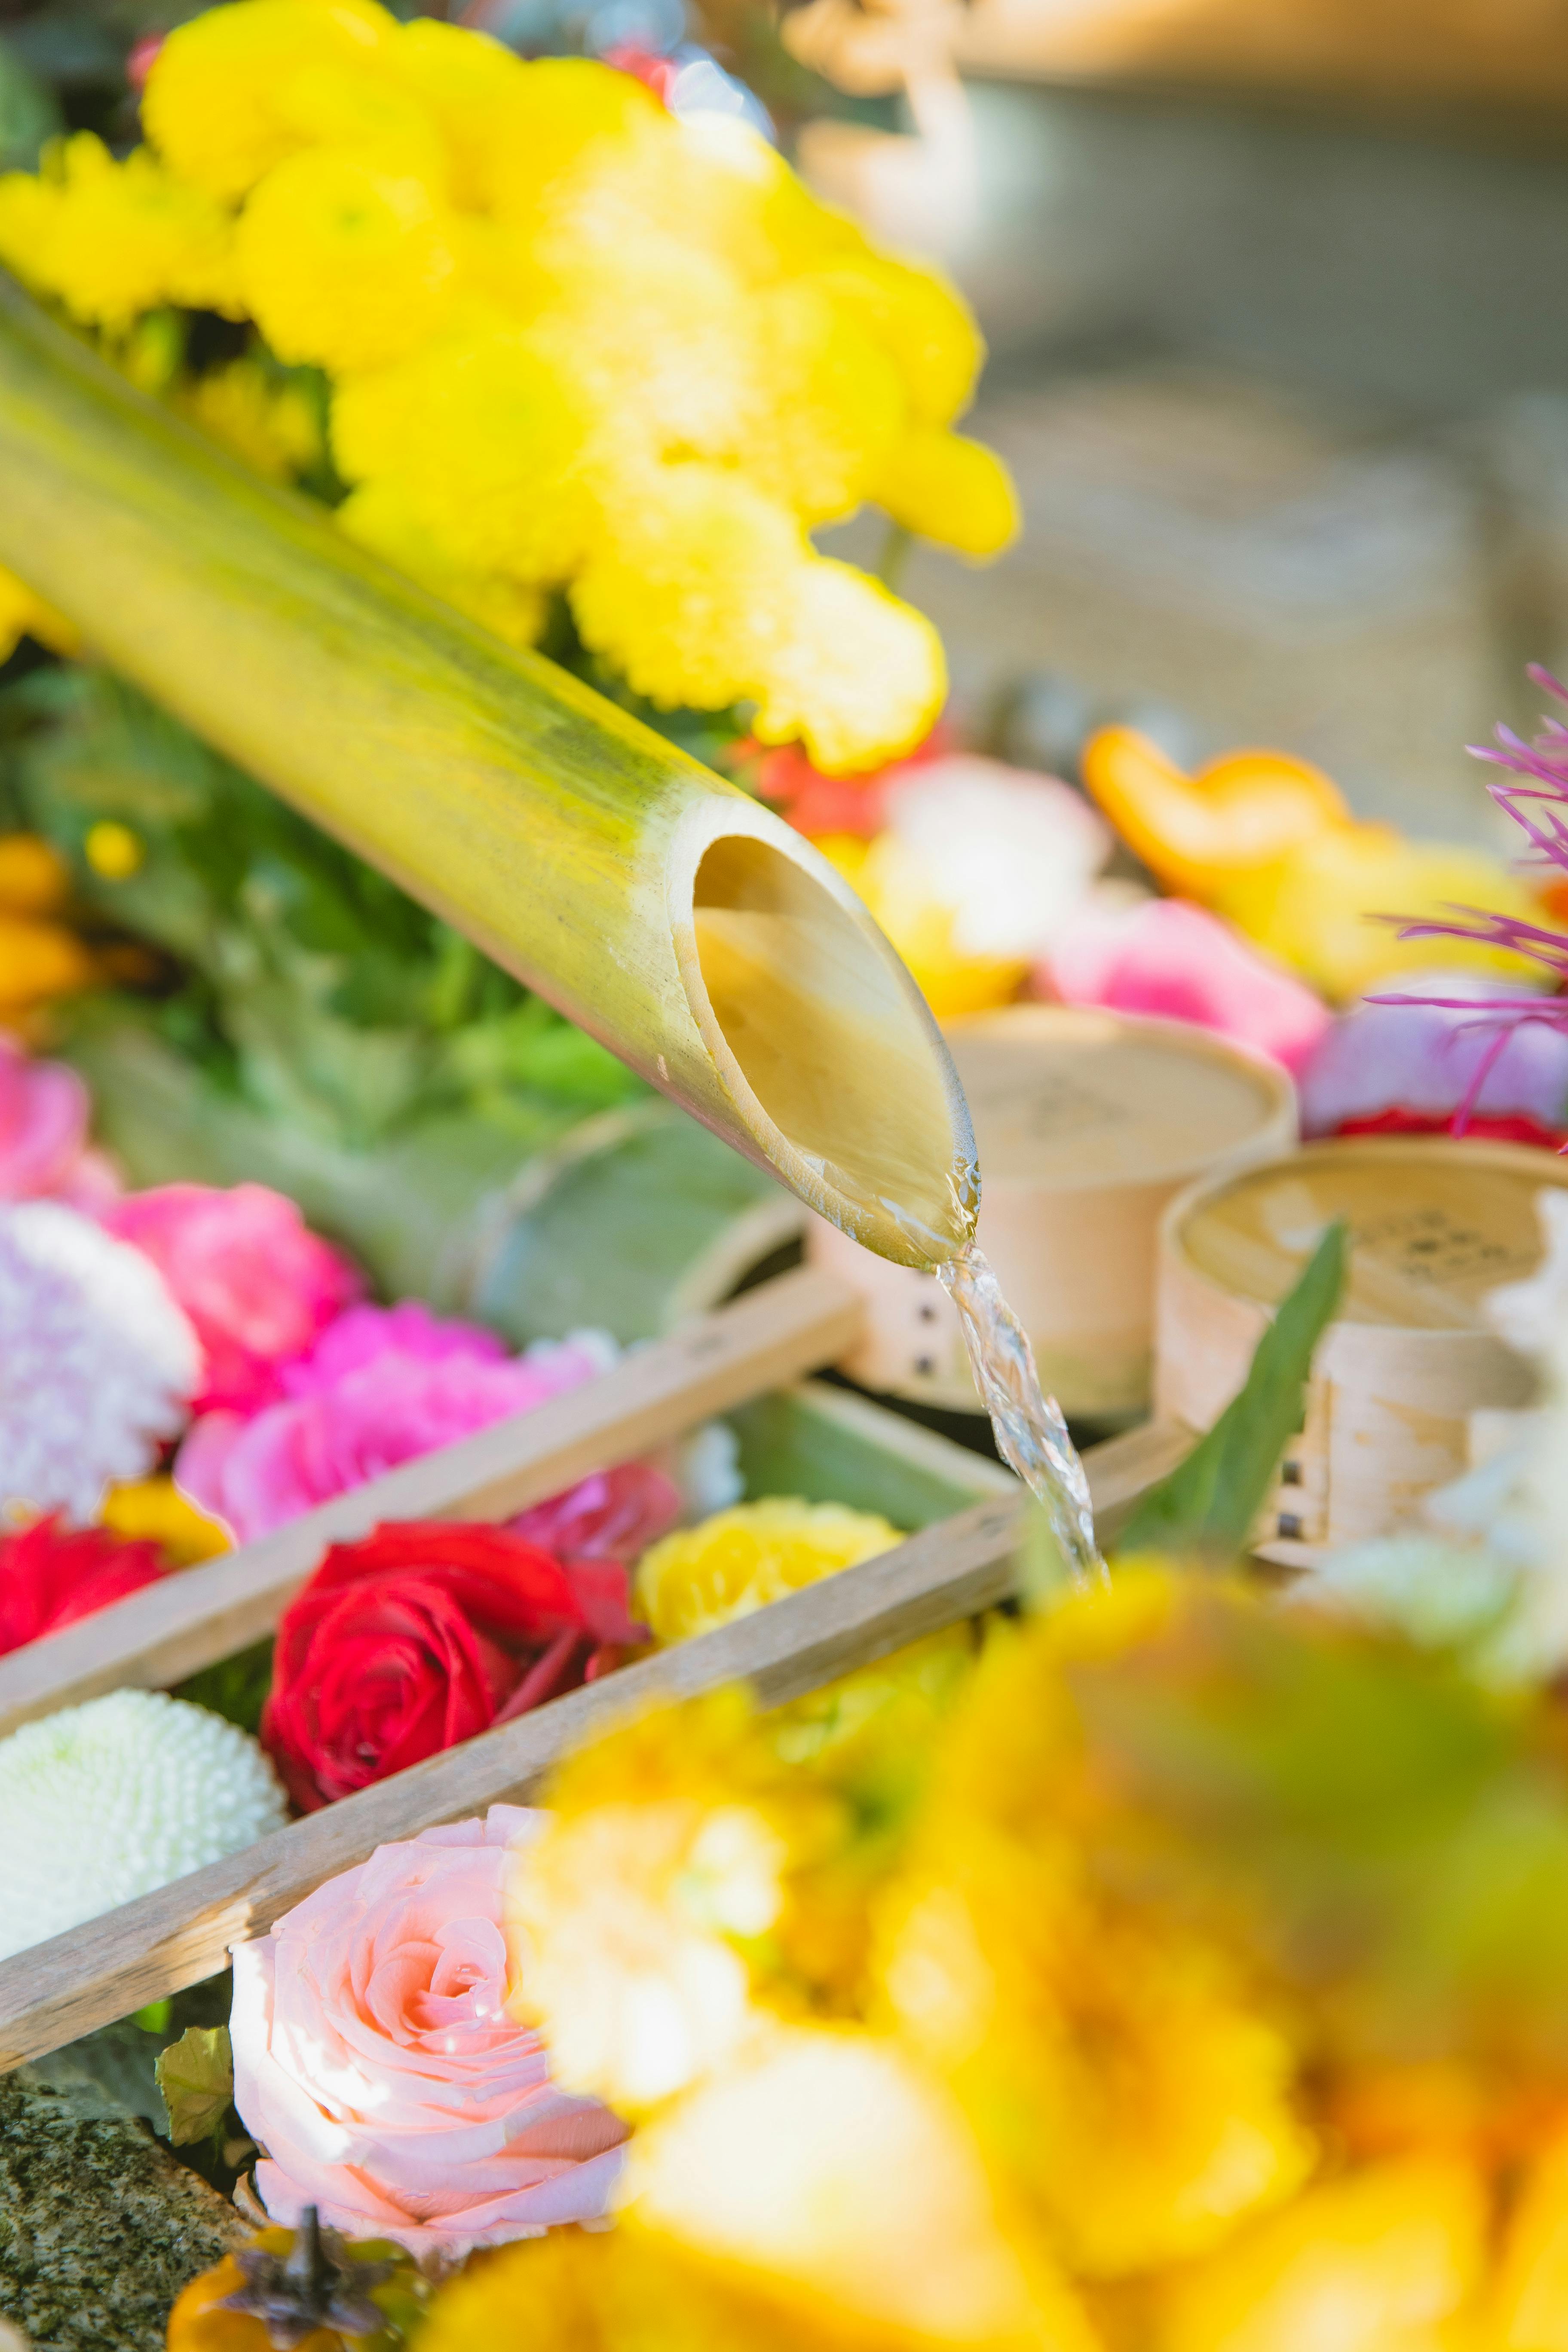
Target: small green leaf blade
[1207, 1505]
[195, 2075]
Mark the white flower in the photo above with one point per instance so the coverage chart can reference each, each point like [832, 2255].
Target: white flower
[1012, 855]
[97, 1362]
[105, 1801]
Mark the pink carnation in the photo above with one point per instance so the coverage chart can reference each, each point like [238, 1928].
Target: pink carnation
[383, 1386]
[1166, 957]
[257, 1284]
[43, 1154]
[374, 2060]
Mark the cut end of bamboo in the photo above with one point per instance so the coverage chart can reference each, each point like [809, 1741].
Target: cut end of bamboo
[821, 1038]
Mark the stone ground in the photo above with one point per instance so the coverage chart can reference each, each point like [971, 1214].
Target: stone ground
[99, 2225]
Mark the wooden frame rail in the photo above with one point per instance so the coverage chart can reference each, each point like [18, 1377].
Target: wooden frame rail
[145, 1949]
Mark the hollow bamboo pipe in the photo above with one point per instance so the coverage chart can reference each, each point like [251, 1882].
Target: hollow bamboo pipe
[689, 930]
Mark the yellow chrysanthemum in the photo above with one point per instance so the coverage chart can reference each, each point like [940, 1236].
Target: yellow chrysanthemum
[272, 427]
[831, 2167]
[733, 190]
[577, 154]
[23, 614]
[651, 341]
[111, 240]
[1375, 2262]
[833, 406]
[664, 1876]
[377, 517]
[29, 208]
[344, 262]
[950, 490]
[464, 82]
[211, 104]
[153, 1510]
[922, 322]
[741, 1559]
[331, 103]
[485, 448]
[689, 592]
[856, 675]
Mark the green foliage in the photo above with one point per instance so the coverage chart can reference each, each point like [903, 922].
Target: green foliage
[28, 113]
[195, 2075]
[298, 977]
[1206, 1506]
[234, 1688]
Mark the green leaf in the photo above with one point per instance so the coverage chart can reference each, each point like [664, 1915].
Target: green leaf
[195, 2075]
[1206, 1506]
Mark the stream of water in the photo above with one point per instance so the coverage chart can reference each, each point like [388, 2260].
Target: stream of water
[1031, 1435]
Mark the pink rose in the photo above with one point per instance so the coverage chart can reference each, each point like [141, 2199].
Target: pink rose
[43, 1154]
[258, 1286]
[374, 2061]
[1176, 962]
[383, 1386]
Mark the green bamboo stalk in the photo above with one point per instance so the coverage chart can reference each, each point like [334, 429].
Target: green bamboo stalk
[693, 932]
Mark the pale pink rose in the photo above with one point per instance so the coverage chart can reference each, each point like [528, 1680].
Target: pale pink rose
[358, 1409]
[1176, 962]
[257, 1283]
[44, 1153]
[375, 2064]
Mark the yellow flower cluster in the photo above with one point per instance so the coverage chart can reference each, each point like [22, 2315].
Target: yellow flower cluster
[1070, 2089]
[574, 345]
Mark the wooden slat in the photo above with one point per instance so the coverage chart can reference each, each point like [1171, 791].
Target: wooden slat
[155, 1946]
[168, 1629]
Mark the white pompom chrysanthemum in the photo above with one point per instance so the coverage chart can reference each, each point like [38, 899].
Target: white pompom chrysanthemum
[107, 1801]
[97, 1362]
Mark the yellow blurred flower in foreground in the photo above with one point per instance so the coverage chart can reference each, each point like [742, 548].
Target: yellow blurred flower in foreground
[1376, 2261]
[833, 2167]
[576, 346]
[660, 1887]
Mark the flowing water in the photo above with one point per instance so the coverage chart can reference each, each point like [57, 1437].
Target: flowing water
[1031, 1435]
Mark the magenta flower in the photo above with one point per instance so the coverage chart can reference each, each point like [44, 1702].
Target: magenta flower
[383, 1386]
[1165, 958]
[257, 1283]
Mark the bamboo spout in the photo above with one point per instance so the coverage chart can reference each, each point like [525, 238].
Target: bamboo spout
[683, 925]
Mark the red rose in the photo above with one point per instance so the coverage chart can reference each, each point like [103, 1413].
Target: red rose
[51, 1575]
[420, 1636]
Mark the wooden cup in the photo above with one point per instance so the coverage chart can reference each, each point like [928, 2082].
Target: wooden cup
[1086, 1123]
[1436, 1225]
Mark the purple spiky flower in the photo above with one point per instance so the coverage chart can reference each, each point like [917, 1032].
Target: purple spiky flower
[1534, 793]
